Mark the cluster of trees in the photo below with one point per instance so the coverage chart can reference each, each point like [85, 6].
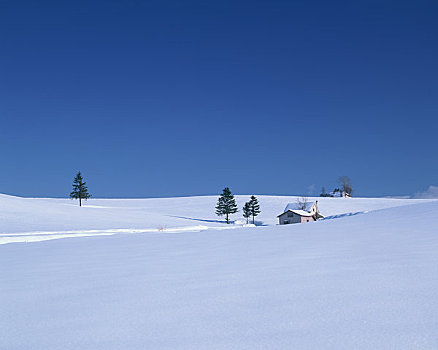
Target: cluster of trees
[251, 208]
[345, 189]
[226, 205]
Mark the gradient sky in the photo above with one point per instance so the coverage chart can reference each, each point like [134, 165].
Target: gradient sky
[171, 98]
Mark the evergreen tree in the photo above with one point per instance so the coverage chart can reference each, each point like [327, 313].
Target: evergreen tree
[254, 208]
[247, 211]
[226, 204]
[80, 190]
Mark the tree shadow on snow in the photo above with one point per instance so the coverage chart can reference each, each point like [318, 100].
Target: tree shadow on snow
[257, 223]
[202, 220]
[342, 215]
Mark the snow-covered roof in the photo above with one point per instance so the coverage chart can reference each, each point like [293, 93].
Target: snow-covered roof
[298, 212]
[295, 206]
[301, 212]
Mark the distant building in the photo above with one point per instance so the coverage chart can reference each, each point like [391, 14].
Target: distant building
[293, 215]
[337, 192]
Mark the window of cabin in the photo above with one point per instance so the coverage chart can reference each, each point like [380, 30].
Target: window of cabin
[290, 215]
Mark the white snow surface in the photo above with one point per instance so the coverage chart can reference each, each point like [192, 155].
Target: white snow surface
[365, 281]
[34, 219]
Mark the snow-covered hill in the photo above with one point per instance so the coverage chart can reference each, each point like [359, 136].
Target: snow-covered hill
[365, 281]
[33, 219]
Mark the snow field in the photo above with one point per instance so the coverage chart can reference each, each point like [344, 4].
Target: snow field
[364, 281]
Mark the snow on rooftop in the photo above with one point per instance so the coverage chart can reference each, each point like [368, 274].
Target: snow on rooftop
[300, 212]
[296, 206]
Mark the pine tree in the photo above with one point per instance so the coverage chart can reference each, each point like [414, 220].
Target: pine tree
[254, 207]
[226, 204]
[247, 211]
[80, 190]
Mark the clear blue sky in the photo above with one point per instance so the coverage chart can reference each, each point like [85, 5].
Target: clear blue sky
[163, 98]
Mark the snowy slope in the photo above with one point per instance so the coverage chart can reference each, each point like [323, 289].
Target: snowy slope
[361, 282]
[32, 219]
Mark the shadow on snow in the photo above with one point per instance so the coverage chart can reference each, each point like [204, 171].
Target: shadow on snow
[342, 215]
[257, 223]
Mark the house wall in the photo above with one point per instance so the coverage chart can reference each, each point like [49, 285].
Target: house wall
[287, 219]
[292, 218]
[307, 219]
[314, 208]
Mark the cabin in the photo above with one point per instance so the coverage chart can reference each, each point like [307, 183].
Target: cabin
[293, 214]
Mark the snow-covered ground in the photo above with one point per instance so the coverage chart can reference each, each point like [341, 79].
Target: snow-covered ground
[364, 281]
[34, 219]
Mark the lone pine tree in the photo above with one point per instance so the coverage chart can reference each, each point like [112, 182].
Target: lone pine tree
[80, 190]
[247, 211]
[226, 204]
[254, 207]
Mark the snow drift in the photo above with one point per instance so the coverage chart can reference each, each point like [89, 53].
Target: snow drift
[358, 282]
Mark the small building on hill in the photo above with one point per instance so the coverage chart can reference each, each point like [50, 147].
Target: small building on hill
[294, 214]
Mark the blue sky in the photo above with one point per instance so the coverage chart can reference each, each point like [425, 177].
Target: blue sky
[164, 98]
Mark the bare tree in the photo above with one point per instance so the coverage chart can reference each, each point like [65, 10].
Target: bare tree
[346, 187]
[302, 203]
